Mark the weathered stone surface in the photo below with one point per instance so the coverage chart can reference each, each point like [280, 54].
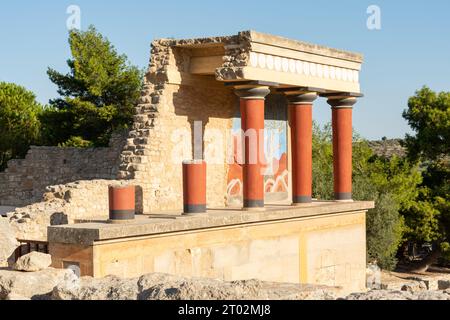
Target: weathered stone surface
[8, 242]
[5, 209]
[380, 295]
[399, 295]
[433, 295]
[414, 286]
[33, 261]
[24, 181]
[444, 284]
[61, 284]
[414, 282]
[88, 288]
[407, 286]
[87, 233]
[34, 285]
[62, 204]
[163, 287]
[14, 296]
[159, 286]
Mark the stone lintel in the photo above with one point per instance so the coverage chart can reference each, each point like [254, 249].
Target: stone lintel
[287, 78]
[256, 56]
[145, 225]
[278, 41]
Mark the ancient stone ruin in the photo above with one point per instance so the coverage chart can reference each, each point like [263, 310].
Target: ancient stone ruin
[242, 106]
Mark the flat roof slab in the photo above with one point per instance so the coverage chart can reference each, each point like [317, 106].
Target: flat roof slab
[89, 232]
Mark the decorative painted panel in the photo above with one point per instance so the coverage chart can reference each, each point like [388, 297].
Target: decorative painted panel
[275, 151]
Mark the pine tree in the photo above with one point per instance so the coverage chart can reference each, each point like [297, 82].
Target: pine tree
[97, 96]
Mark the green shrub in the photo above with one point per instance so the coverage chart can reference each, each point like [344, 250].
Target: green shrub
[19, 121]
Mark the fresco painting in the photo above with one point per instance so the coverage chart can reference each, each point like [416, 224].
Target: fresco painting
[275, 151]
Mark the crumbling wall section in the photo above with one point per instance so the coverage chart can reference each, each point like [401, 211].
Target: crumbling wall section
[61, 204]
[156, 146]
[24, 181]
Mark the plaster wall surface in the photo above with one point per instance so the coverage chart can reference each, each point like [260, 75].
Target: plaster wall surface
[327, 249]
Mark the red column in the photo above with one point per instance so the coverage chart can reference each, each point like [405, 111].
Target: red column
[194, 186]
[300, 108]
[121, 203]
[252, 124]
[342, 146]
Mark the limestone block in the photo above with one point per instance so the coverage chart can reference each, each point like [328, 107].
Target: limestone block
[34, 285]
[87, 288]
[8, 242]
[33, 261]
[414, 286]
[443, 284]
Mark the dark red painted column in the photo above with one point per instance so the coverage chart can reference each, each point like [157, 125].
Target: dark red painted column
[342, 146]
[194, 186]
[252, 124]
[300, 109]
[121, 203]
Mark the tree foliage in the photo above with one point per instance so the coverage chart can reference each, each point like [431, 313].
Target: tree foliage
[391, 183]
[428, 114]
[19, 123]
[98, 94]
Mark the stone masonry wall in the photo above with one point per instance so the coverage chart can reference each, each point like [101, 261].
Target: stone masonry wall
[25, 180]
[156, 145]
[62, 185]
[62, 204]
[159, 140]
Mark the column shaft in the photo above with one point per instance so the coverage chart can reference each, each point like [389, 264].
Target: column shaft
[300, 108]
[252, 124]
[342, 147]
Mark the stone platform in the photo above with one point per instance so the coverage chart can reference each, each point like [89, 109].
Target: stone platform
[318, 243]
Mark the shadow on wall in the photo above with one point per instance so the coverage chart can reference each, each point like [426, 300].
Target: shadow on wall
[204, 104]
[58, 218]
[139, 204]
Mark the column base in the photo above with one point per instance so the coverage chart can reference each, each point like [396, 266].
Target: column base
[120, 221]
[253, 205]
[342, 196]
[194, 208]
[122, 214]
[301, 199]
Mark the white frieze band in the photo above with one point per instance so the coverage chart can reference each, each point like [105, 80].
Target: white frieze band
[301, 67]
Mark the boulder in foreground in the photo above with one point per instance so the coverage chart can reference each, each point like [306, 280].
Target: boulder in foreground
[8, 242]
[33, 285]
[33, 261]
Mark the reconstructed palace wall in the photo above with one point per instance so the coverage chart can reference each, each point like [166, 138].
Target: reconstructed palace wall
[323, 249]
[62, 204]
[172, 100]
[25, 180]
[155, 160]
[162, 135]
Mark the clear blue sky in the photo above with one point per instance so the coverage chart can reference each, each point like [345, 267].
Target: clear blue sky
[411, 49]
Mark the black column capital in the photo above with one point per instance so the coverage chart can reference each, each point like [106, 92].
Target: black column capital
[252, 93]
[341, 102]
[301, 98]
